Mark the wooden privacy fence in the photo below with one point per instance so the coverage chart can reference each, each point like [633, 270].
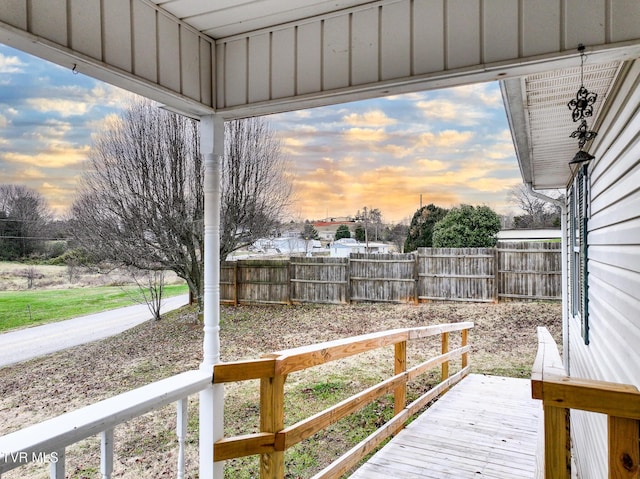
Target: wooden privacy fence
[275, 436]
[509, 271]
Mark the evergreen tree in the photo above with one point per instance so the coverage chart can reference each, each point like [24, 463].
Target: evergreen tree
[342, 232]
[467, 227]
[309, 232]
[421, 227]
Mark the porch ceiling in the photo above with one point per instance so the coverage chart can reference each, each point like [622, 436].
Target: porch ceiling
[226, 18]
[541, 122]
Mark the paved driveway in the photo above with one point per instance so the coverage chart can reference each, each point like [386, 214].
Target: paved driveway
[17, 346]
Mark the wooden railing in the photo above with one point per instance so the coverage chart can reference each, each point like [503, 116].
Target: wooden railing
[560, 393]
[275, 437]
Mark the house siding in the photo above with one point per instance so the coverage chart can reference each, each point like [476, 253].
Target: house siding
[613, 240]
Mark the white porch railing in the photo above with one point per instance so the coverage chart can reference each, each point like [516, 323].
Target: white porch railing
[47, 440]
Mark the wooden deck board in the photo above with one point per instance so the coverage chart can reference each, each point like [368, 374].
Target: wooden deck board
[484, 427]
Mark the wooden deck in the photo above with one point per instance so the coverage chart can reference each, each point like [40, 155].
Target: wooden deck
[484, 427]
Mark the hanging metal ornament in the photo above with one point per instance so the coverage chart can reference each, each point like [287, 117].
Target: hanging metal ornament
[582, 107]
[582, 104]
[583, 134]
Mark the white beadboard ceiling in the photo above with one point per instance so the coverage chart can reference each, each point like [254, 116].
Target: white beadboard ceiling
[541, 122]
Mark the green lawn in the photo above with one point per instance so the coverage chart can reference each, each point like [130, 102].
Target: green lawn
[26, 308]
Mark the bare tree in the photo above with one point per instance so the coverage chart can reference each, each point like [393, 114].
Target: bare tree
[142, 203]
[151, 288]
[255, 189]
[397, 234]
[24, 215]
[538, 213]
[372, 220]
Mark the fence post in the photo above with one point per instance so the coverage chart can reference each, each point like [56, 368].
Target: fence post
[416, 278]
[290, 269]
[235, 283]
[496, 275]
[400, 366]
[272, 420]
[347, 278]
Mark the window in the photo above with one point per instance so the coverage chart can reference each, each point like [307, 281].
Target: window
[578, 250]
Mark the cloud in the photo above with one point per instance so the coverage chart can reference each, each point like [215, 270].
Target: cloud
[52, 129]
[11, 64]
[60, 106]
[485, 93]
[460, 113]
[369, 119]
[3, 121]
[397, 151]
[439, 109]
[292, 144]
[109, 96]
[445, 139]
[55, 155]
[31, 173]
[365, 135]
[431, 165]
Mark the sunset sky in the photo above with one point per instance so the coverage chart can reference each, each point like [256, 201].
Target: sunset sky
[452, 146]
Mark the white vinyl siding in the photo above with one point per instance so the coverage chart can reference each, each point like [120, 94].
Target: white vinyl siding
[613, 351]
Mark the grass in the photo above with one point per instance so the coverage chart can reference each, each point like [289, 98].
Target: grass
[29, 308]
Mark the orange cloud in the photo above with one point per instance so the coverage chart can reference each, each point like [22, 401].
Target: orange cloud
[365, 135]
[56, 155]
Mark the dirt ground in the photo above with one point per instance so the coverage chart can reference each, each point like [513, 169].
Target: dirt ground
[503, 343]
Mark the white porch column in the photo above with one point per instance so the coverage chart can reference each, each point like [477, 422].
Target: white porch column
[211, 399]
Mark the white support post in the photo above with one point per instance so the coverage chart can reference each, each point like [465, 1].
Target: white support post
[56, 469]
[562, 204]
[181, 432]
[106, 454]
[212, 398]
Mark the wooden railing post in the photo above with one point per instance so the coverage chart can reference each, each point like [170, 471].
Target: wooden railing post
[445, 349]
[624, 436]
[557, 451]
[272, 420]
[400, 366]
[465, 341]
